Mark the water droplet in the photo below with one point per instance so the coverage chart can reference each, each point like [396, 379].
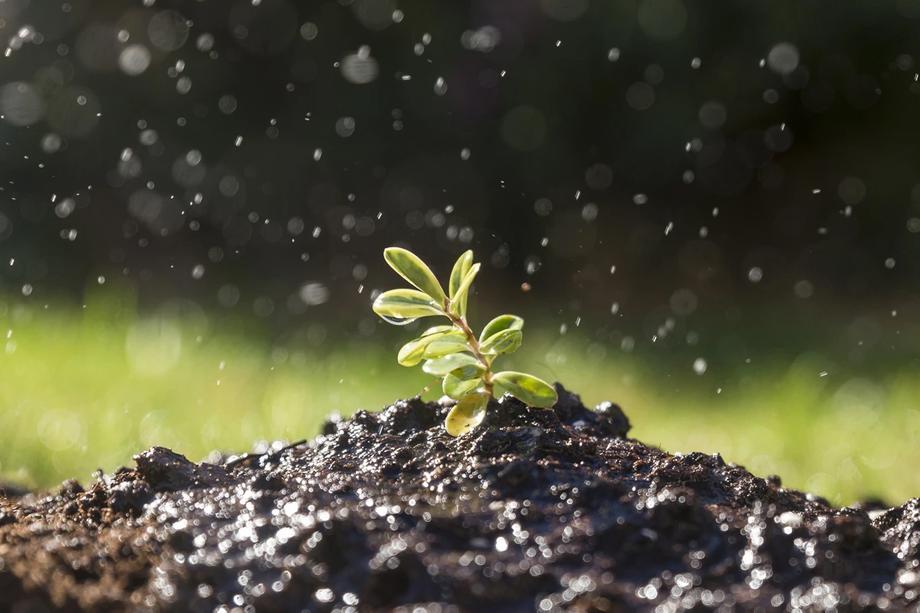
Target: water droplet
[398, 321]
[440, 86]
[700, 366]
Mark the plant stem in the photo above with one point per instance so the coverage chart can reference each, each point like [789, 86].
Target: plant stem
[473, 342]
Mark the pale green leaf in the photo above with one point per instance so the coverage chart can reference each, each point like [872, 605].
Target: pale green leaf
[506, 341]
[466, 414]
[528, 389]
[442, 366]
[443, 347]
[461, 267]
[437, 329]
[466, 373]
[502, 322]
[456, 386]
[411, 268]
[459, 299]
[412, 352]
[405, 304]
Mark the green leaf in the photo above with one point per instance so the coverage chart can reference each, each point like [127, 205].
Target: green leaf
[412, 352]
[459, 299]
[443, 347]
[442, 366]
[437, 329]
[466, 373]
[506, 341]
[456, 385]
[411, 268]
[528, 389]
[502, 322]
[466, 414]
[461, 267]
[405, 304]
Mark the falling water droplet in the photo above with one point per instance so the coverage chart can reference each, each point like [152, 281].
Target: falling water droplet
[398, 321]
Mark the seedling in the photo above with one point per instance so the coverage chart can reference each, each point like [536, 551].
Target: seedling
[453, 352]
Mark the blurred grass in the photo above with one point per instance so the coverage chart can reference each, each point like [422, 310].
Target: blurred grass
[86, 390]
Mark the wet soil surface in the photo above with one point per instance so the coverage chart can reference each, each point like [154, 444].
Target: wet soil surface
[535, 510]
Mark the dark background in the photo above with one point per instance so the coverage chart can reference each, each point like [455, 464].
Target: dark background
[730, 159]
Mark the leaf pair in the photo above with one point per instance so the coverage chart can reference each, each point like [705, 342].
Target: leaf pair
[453, 352]
[504, 334]
[461, 279]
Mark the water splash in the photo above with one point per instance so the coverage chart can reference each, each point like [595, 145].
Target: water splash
[398, 321]
[25, 34]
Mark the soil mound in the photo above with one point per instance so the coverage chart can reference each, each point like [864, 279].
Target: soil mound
[535, 510]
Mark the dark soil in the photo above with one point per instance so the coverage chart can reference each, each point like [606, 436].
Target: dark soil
[535, 510]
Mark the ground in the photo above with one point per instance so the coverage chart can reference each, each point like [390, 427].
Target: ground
[536, 509]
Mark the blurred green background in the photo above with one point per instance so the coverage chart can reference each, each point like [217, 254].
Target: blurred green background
[86, 388]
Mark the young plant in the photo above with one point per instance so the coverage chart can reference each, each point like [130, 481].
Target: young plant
[453, 351]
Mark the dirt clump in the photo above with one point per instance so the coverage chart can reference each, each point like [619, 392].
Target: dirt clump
[534, 510]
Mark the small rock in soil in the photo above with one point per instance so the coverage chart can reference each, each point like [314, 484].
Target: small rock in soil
[534, 510]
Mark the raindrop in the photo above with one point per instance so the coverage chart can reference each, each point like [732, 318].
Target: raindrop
[148, 137]
[360, 68]
[64, 208]
[21, 104]
[205, 42]
[134, 59]
[712, 114]
[700, 366]
[309, 31]
[344, 127]
[589, 212]
[184, 85]
[168, 30]
[803, 289]
[440, 86]
[227, 104]
[783, 58]
[51, 143]
[484, 40]
[640, 96]
[398, 321]
[543, 207]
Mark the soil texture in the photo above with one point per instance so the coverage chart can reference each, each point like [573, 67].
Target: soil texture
[536, 510]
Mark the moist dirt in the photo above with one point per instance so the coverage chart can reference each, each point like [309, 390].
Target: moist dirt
[536, 510]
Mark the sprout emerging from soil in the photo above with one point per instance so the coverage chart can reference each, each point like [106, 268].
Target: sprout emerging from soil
[453, 351]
